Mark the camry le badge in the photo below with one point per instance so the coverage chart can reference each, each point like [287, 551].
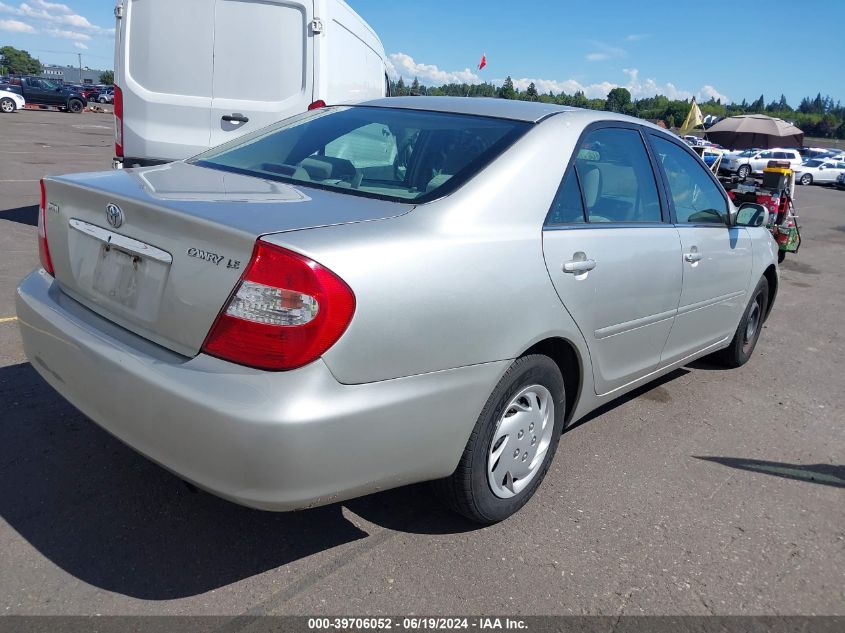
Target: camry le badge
[114, 214]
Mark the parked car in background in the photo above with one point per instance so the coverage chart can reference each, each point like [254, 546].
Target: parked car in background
[295, 352]
[173, 100]
[808, 153]
[106, 96]
[819, 171]
[751, 162]
[10, 101]
[46, 92]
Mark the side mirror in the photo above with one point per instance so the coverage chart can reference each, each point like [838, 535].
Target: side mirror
[751, 214]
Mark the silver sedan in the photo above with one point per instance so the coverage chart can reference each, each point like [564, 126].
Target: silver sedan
[406, 290]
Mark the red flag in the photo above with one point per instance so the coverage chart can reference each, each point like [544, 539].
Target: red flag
[483, 61]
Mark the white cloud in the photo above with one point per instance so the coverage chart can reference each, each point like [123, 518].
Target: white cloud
[54, 13]
[80, 46]
[709, 92]
[16, 26]
[68, 35]
[604, 52]
[637, 37]
[402, 65]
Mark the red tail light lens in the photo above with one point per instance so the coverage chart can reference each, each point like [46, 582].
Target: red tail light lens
[43, 247]
[285, 312]
[118, 122]
[319, 103]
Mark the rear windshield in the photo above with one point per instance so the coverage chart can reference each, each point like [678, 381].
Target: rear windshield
[389, 153]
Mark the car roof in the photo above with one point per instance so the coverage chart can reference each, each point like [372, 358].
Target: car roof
[531, 111]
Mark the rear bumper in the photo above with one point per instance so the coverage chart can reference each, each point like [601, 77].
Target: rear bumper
[276, 441]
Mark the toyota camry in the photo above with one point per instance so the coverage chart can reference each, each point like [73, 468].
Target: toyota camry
[409, 289]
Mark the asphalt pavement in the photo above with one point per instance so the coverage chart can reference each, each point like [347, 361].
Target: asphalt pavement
[706, 492]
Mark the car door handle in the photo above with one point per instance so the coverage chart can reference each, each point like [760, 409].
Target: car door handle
[578, 266]
[692, 257]
[239, 118]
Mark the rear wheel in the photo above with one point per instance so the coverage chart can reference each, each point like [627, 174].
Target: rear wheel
[806, 179]
[748, 332]
[744, 171]
[75, 105]
[7, 105]
[512, 445]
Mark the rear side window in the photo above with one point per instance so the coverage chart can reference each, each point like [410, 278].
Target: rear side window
[567, 208]
[697, 199]
[616, 179]
[388, 153]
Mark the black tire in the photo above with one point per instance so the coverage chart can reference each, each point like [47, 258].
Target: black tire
[748, 331]
[743, 172]
[75, 106]
[7, 105]
[468, 491]
[806, 179]
[781, 256]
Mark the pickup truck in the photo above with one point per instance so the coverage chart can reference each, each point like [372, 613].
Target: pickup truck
[45, 92]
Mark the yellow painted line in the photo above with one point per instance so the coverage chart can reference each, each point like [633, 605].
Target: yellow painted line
[8, 319]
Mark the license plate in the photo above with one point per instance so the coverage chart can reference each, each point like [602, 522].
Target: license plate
[118, 275]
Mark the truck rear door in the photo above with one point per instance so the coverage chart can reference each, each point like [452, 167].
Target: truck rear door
[263, 64]
[167, 50]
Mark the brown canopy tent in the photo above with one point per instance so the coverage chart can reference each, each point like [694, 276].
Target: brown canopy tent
[755, 130]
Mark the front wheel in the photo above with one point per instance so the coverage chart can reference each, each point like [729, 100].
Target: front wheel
[75, 105]
[7, 106]
[743, 172]
[806, 179]
[512, 445]
[748, 332]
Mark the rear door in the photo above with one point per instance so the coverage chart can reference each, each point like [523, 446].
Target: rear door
[263, 64]
[167, 59]
[613, 256]
[717, 258]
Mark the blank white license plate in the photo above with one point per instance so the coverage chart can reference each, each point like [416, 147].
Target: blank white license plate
[119, 275]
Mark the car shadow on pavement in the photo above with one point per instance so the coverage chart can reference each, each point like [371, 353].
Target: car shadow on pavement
[23, 215]
[824, 474]
[115, 520]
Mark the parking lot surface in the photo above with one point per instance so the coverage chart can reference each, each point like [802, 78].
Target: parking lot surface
[707, 492]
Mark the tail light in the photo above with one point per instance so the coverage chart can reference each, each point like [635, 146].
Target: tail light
[43, 247]
[118, 122]
[319, 103]
[285, 312]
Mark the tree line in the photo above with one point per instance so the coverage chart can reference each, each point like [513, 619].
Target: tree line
[817, 116]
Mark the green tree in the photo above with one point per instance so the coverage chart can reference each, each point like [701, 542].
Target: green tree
[617, 100]
[107, 77]
[19, 62]
[507, 90]
[531, 92]
[401, 89]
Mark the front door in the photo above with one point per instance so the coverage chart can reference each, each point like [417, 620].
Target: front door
[613, 257]
[716, 256]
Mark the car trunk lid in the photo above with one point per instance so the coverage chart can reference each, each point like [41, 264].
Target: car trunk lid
[159, 250]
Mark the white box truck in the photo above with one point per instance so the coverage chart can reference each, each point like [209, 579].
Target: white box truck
[191, 74]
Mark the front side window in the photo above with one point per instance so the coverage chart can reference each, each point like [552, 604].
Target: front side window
[389, 153]
[615, 176]
[697, 199]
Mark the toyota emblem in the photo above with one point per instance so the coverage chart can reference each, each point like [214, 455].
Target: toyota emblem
[114, 214]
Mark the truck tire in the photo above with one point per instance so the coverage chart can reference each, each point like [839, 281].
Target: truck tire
[7, 105]
[75, 105]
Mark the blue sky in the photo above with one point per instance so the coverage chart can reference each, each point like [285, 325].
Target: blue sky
[594, 46]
